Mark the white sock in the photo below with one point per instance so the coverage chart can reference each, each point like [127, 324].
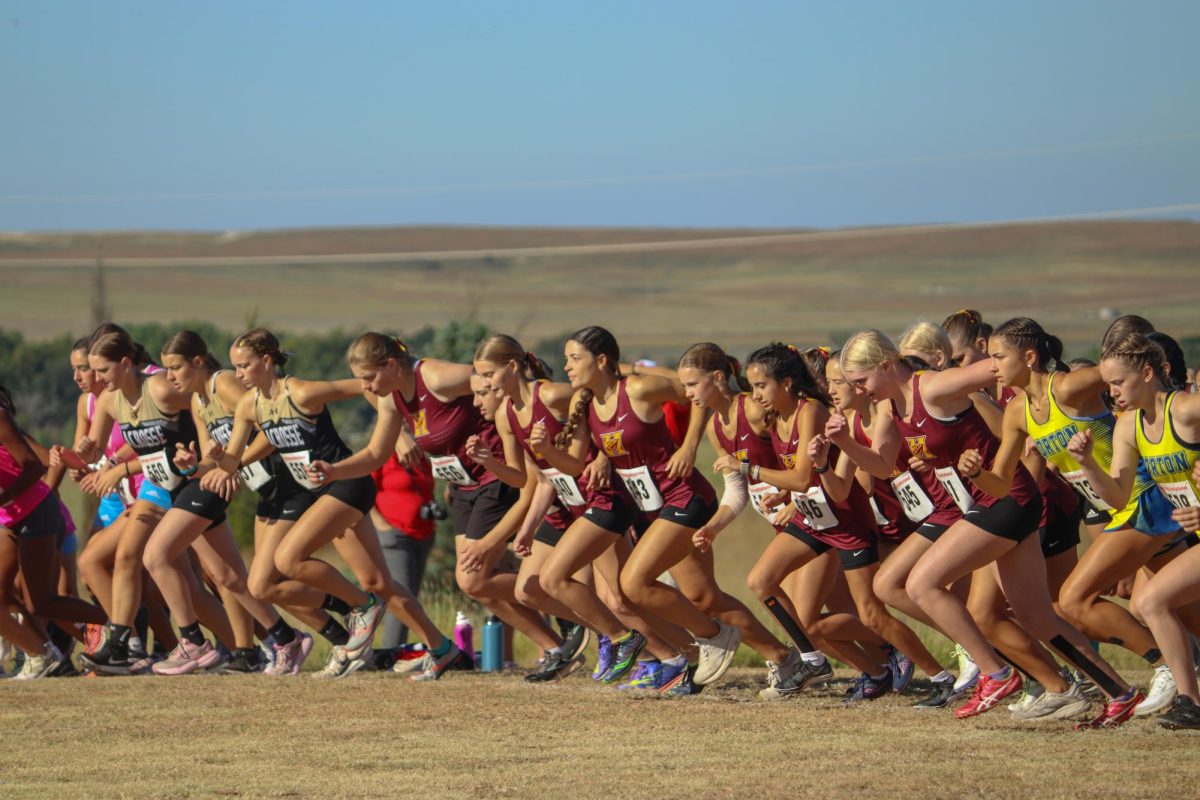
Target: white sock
[135, 644]
[677, 661]
[815, 657]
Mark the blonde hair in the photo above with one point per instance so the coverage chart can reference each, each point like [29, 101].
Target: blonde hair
[925, 339]
[374, 349]
[866, 350]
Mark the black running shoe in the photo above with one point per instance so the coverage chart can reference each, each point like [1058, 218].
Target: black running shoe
[806, 675]
[244, 661]
[575, 638]
[940, 695]
[555, 666]
[1183, 715]
[64, 670]
[110, 659]
[685, 687]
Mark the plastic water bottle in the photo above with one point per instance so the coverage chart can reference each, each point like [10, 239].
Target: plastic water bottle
[464, 634]
[493, 644]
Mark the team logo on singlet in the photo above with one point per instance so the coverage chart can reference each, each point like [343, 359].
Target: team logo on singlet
[789, 461]
[420, 427]
[916, 444]
[612, 444]
[743, 456]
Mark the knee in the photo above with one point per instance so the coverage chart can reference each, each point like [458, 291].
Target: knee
[762, 584]
[155, 559]
[287, 562]
[888, 589]
[127, 560]
[262, 588]
[1072, 604]
[230, 579]
[919, 588]
[550, 581]
[528, 590]
[471, 584]
[635, 587]
[704, 599]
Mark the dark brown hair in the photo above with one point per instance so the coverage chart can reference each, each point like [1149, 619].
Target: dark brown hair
[1024, 333]
[500, 349]
[190, 345]
[597, 341]
[262, 342]
[114, 343]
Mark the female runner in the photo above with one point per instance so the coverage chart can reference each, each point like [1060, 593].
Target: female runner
[934, 414]
[294, 417]
[1160, 437]
[193, 371]
[623, 418]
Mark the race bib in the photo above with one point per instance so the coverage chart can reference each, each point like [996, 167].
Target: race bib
[880, 519]
[565, 487]
[640, 485]
[254, 475]
[451, 470]
[916, 504]
[1180, 494]
[157, 469]
[1084, 487]
[814, 505]
[759, 492]
[297, 464]
[952, 483]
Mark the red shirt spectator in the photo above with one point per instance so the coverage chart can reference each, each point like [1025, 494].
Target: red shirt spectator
[401, 493]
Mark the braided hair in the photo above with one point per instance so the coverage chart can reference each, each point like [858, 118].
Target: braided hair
[1024, 333]
[599, 342]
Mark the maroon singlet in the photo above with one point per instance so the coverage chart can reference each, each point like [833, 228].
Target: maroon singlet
[562, 513]
[639, 452]
[897, 525]
[442, 429]
[855, 528]
[940, 442]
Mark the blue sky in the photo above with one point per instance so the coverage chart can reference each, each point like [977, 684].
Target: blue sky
[255, 115]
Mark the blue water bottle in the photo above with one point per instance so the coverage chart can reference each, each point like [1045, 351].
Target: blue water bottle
[493, 644]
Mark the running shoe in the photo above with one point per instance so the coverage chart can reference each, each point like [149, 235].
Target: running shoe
[646, 675]
[1162, 691]
[94, 637]
[433, 668]
[335, 664]
[357, 661]
[1030, 692]
[575, 638]
[245, 660]
[188, 657]
[902, 669]
[939, 695]
[289, 658]
[110, 659]
[40, 665]
[868, 688]
[555, 667]
[806, 674]
[685, 685]
[988, 692]
[362, 622]
[604, 657]
[673, 674]
[65, 670]
[625, 653]
[410, 660]
[142, 663]
[1053, 705]
[968, 670]
[1116, 712]
[716, 654]
[6, 652]
[1184, 715]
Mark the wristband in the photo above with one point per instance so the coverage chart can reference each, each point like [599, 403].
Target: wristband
[187, 473]
[744, 468]
[126, 469]
[820, 470]
[755, 471]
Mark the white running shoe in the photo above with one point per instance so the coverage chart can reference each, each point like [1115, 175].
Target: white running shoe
[1053, 705]
[335, 665]
[39, 666]
[1162, 693]
[968, 670]
[779, 672]
[716, 654]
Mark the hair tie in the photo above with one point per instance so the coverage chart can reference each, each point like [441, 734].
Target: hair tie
[792, 347]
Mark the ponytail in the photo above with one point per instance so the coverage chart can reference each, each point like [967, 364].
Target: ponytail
[563, 439]
[189, 345]
[1024, 333]
[500, 349]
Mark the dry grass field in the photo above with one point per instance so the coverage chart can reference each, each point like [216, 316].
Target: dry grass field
[373, 735]
[804, 290]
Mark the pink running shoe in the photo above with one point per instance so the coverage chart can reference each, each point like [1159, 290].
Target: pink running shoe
[187, 657]
[289, 658]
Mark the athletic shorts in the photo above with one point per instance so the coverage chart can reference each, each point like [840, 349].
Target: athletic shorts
[696, 514]
[156, 495]
[358, 493]
[46, 519]
[201, 502]
[617, 519]
[1094, 516]
[931, 530]
[1152, 515]
[1007, 518]
[548, 534]
[477, 511]
[1061, 533]
[110, 508]
[1186, 539]
[275, 502]
[851, 559]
